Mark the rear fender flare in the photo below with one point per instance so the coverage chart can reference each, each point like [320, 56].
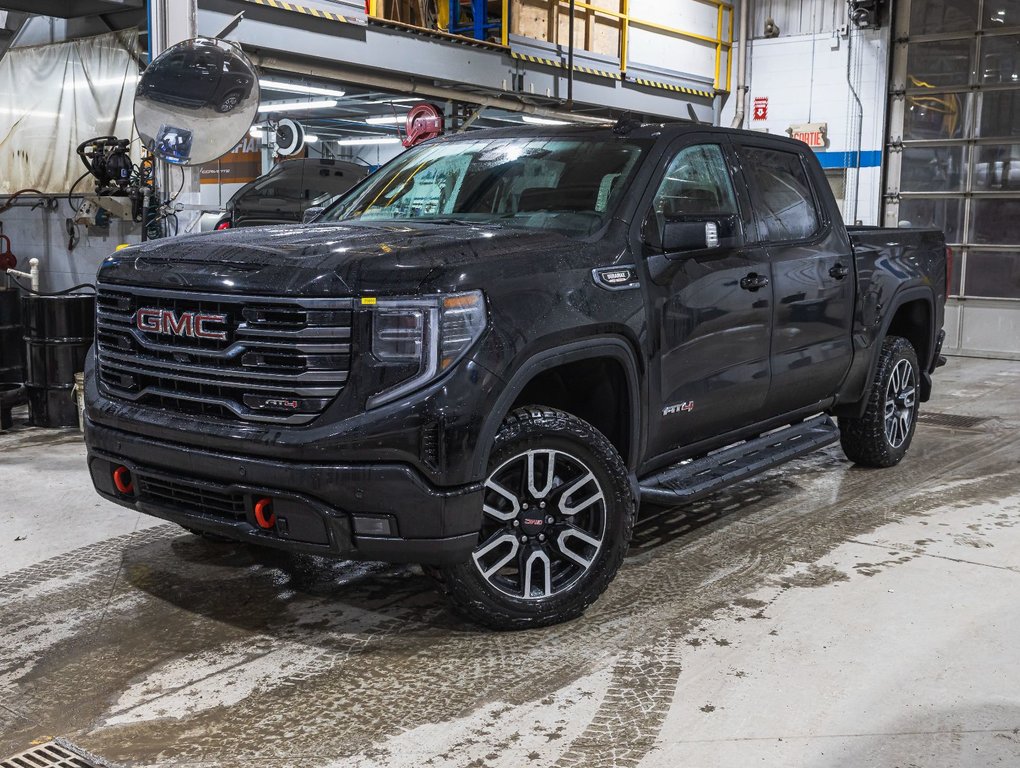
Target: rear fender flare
[899, 299]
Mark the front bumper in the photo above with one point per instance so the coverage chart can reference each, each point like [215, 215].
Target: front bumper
[321, 509]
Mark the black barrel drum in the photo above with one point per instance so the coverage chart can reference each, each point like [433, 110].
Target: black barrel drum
[12, 353]
[12, 348]
[58, 333]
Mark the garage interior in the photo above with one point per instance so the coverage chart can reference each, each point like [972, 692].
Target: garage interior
[818, 614]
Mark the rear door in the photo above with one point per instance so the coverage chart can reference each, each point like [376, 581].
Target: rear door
[710, 307]
[812, 275]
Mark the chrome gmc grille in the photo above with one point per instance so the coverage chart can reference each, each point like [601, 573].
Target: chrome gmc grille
[263, 359]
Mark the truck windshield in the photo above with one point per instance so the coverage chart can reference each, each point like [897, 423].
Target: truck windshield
[568, 185]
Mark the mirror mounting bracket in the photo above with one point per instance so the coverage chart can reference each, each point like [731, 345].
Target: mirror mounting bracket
[229, 26]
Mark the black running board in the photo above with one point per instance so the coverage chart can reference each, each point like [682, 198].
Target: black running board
[700, 477]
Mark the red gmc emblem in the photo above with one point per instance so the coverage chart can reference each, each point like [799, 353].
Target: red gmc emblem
[191, 324]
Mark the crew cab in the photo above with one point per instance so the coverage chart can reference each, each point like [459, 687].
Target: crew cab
[490, 353]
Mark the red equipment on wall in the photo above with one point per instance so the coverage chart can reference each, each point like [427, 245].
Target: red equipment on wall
[7, 259]
[424, 122]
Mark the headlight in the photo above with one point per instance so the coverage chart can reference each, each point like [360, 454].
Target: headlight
[432, 334]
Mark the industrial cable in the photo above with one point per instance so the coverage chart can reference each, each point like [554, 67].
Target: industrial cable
[70, 194]
[72, 289]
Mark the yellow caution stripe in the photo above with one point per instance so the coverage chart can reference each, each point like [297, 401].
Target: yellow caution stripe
[560, 65]
[670, 87]
[304, 9]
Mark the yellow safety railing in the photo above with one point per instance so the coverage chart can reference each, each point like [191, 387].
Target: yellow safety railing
[722, 41]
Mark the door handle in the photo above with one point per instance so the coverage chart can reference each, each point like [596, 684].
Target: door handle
[839, 271]
[753, 282]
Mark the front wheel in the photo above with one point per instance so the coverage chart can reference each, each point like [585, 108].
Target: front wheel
[557, 519]
[881, 437]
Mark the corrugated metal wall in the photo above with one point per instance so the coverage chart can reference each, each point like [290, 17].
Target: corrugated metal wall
[798, 17]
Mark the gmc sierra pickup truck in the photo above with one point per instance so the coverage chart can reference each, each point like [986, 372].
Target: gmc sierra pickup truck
[493, 350]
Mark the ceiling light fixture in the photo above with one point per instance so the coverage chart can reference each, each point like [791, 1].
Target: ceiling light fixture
[295, 106]
[391, 101]
[276, 85]
[542, 120]
[379, 140]
[388, 120]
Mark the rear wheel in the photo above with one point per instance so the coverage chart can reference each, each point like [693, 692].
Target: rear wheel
[228, 102]
[882, 436]
[557, 518]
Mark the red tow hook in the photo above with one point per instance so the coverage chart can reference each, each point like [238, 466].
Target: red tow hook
[122, 481]
[264, 514]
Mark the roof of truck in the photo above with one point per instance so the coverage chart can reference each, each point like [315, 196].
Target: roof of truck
[598, 132]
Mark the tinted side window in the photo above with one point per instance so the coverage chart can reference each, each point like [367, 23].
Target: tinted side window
[786, 203]
[696, 184]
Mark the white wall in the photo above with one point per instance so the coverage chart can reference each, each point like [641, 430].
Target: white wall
[804, 77]
[42, 234]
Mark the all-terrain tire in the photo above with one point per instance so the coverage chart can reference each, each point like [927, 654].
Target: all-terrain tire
[540, 437]
[867, 441]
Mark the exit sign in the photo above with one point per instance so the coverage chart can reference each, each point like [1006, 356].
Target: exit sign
[812, 134]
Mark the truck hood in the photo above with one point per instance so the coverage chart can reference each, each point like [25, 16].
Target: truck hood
[325, 259]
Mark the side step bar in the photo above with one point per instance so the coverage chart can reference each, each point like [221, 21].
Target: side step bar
[700, 477]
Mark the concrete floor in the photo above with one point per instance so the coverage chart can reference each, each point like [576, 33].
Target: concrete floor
[818, 616]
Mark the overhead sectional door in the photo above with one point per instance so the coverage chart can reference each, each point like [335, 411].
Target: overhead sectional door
[954, 156]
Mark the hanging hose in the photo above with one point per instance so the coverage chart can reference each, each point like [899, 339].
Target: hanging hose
[10, 201]
[66, 291]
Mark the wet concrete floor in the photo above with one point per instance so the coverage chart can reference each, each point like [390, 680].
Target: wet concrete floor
[819, 615]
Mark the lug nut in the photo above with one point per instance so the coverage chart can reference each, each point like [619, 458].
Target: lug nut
[525, 505]
[516, 523]
[524, 539]
[541, 537]
[550, 520]
[542, 505]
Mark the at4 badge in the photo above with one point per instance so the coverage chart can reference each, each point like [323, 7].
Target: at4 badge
[684, 407]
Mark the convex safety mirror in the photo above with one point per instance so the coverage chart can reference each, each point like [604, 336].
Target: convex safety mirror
[196, 101]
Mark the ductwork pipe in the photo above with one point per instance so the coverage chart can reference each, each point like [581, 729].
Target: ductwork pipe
[738, 115]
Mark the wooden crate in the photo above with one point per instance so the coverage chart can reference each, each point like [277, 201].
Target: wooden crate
[550, 21]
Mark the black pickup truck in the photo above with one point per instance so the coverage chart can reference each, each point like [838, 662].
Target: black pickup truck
[492, 351]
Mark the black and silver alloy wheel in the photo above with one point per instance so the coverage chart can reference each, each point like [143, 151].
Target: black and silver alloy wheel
[557, 516]
[899, 403]
[544, 524]
[882, 434]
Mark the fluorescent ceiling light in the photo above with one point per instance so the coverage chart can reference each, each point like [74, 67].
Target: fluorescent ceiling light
[391, 101]
[379, 140]
[543, 120]
[310, 138]
[389, 120]
[275, 85]
[295, 106]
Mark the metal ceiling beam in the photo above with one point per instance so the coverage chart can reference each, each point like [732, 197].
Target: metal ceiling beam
[398, 60]
[71, 9]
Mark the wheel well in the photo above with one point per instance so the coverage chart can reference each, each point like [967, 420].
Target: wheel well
[912, 321]
[594, 389]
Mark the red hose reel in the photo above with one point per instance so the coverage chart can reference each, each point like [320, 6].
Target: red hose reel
[7, 259]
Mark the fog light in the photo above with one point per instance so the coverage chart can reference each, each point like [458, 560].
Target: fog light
[373, 526]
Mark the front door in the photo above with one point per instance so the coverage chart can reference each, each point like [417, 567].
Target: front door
[710, 307]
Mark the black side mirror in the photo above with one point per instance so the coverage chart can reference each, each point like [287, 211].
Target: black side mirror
[681, 236]
[311, 214]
